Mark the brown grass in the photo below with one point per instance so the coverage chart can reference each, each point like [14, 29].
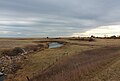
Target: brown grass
[66, 63]
[80, 67]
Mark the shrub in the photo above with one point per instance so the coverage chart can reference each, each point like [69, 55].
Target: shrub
[113, 37]
[92, 36]
[30, 48]
[12, 52]
[84, 39]
[91, 39]
[40, 45]
[7, 52]
[17, 51]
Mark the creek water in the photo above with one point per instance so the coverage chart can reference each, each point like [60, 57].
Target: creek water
[55, 45]
[1, 78]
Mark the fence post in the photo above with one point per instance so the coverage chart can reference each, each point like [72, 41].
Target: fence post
[27, 78]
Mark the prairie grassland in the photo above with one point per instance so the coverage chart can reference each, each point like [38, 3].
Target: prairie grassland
[110, 73]
[17, 42]
[81, 67]
[44, 59]
[6, 44]
[41, 61]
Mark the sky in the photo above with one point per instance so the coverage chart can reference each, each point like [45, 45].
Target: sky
[59, 18]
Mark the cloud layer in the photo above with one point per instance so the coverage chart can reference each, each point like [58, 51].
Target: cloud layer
[41, 18]
[101, 31]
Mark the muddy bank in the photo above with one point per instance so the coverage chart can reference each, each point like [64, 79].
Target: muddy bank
[12, 60]
[81, 67]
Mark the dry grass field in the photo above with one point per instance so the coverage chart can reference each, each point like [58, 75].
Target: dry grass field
[75, 61]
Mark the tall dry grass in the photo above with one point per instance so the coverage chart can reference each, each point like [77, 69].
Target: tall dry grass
[82, 67]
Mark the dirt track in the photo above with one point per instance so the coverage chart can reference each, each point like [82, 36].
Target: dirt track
[81, 67]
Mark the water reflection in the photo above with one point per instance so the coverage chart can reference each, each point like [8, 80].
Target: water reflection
[55, 45]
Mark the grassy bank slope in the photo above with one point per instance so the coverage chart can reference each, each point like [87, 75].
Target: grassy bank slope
[81, 67]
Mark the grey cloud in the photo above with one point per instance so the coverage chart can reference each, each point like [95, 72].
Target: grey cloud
[57, 17]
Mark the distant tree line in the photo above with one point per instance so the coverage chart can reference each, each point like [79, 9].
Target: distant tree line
[111, 37]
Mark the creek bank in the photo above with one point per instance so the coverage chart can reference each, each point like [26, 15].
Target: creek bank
[12, 60]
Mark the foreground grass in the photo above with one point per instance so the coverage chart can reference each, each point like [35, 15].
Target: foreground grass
[81, 67]
[44, 59]
[110, 73]
[39, 62]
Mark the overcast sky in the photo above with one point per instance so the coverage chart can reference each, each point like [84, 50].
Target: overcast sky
[42, 18]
